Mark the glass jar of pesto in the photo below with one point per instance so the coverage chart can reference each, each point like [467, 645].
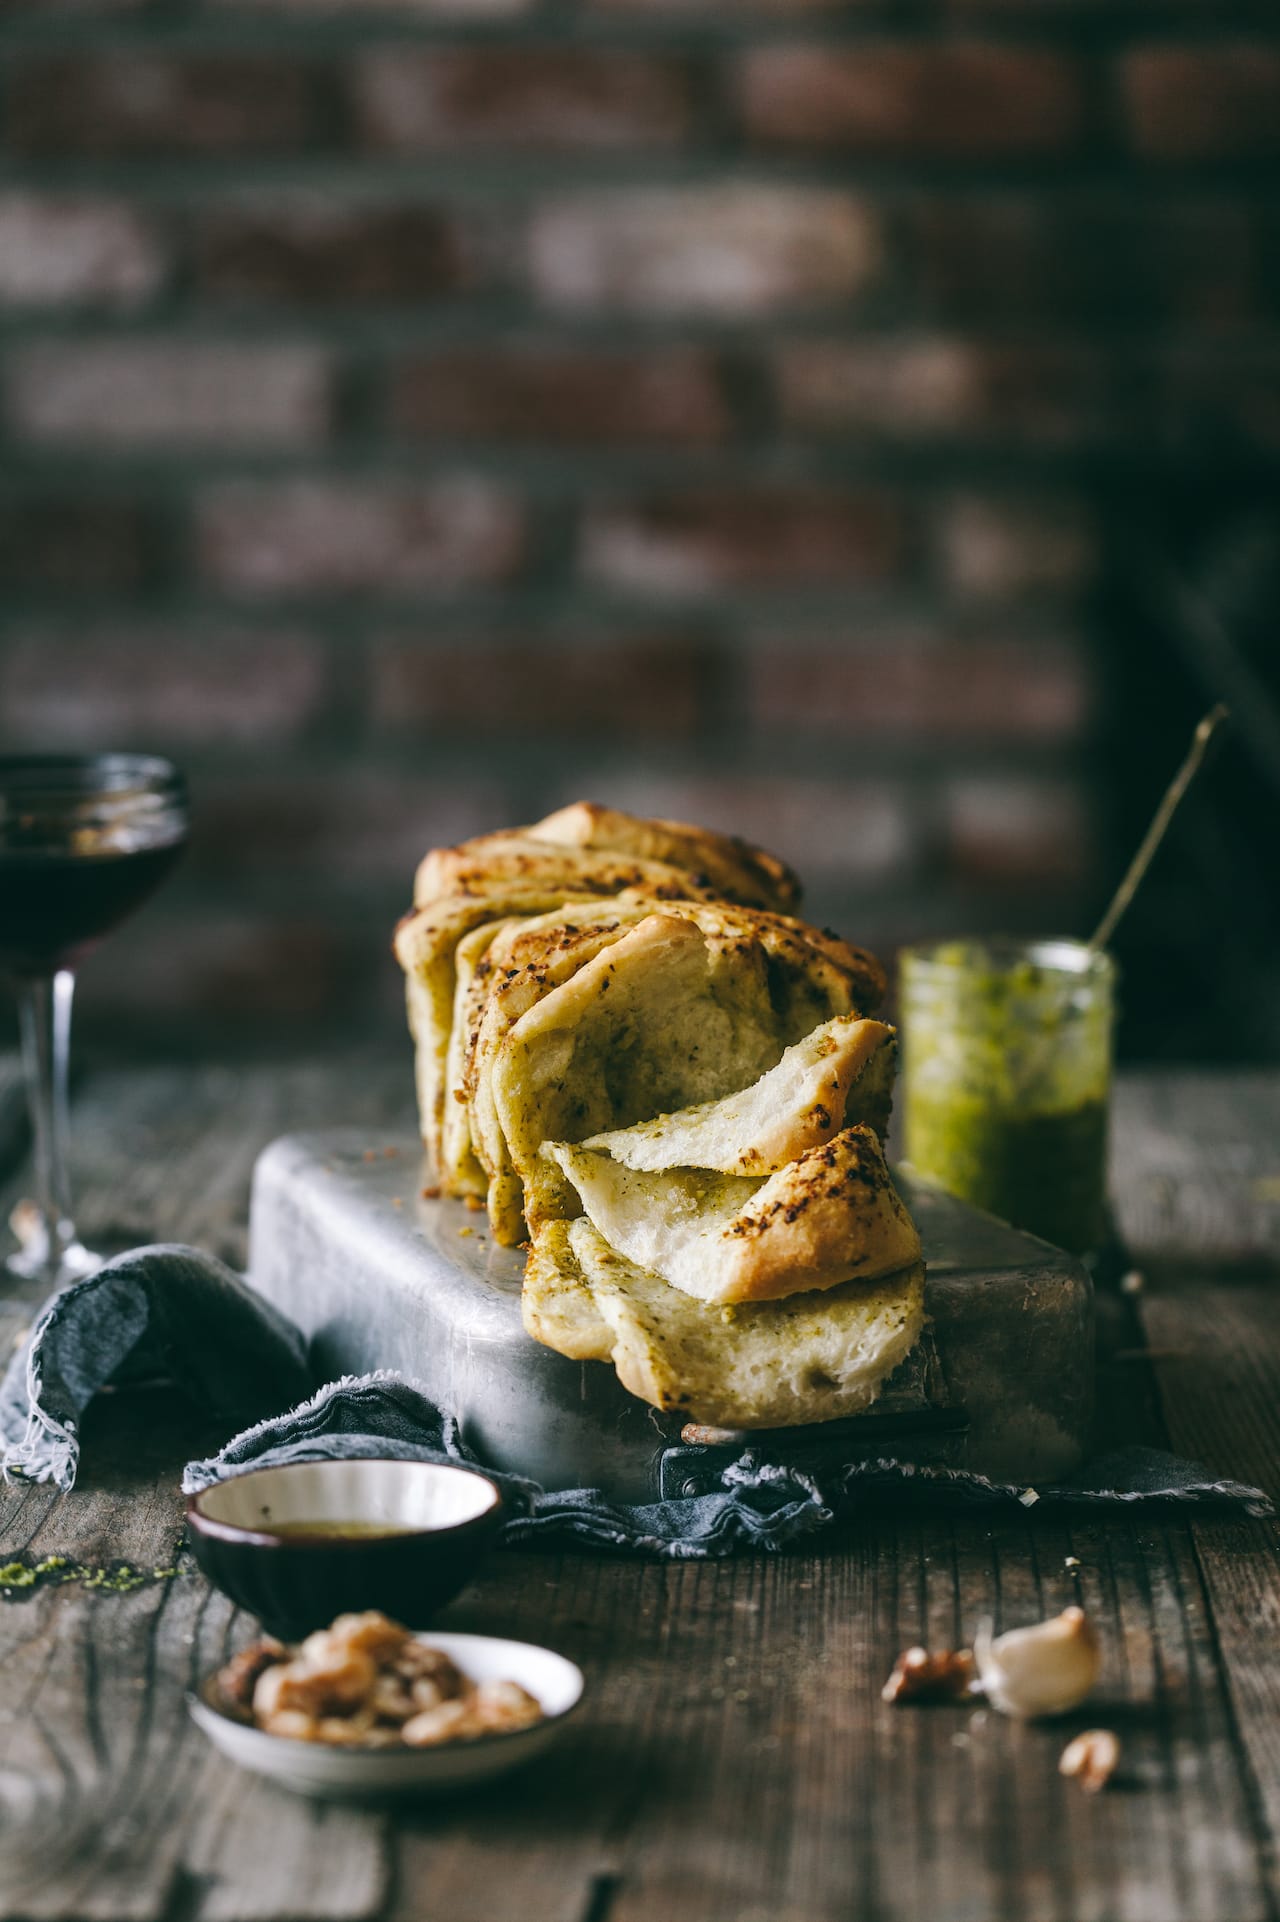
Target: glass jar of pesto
[1007, 1054]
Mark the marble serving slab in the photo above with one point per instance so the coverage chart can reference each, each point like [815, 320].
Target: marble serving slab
[378, 1275]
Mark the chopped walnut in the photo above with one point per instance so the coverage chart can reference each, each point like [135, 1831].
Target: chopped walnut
[237, 1680]
[334, 1674]
[505, 1705]
[418, 1662]
[294, 1723]
[366, 1680]
[286, 1689]
[447, 1722]
[372, 1633]
[1091, 1758]
[921, 1676]
[391, 1700]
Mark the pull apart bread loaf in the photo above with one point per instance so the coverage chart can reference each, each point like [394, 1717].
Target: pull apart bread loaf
[640, 1061]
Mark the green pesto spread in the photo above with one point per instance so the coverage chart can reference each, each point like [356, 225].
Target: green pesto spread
[1008, 1063]
[1043, 1171]
[21, 1578]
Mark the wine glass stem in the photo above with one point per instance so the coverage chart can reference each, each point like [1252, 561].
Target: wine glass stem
[44, 1012]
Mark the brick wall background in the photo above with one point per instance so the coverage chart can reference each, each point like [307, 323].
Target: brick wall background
[415, 415]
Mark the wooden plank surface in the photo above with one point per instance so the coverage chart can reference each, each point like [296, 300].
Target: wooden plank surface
[733, 1761]
[1197, 1179]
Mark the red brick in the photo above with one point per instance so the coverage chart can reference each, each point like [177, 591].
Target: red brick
[466, 12]
[565, 395]
[60, 542]
[1005, 549]
[62, 251]
[19, 10]
[160, 684]
[150, 103]
[952, 99]
[1027, 259]
[733, 249]
[168, 393]
[854, 829]
[539, 686]
[263, 974]
[729, 11]
[1215, 401]
[310, 249]
[339, 536]
[922, 687]
[1007, 830]
[943, 386]
[539, 98]
[698, 540]
[1211, 101]
[349, 828]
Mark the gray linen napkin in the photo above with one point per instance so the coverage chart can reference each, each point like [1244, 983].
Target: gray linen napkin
[180, 1312]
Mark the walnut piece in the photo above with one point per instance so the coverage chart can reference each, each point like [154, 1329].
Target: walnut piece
[237, 1680]
[505, 1705]
[921, 1675]
[446, 1722]
[1091, 1758]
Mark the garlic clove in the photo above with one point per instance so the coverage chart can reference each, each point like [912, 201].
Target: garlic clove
[1043, 1670]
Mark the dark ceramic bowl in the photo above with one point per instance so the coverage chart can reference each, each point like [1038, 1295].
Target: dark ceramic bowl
[249, 1537]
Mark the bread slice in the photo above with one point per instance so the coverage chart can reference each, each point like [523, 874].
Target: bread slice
[460, 1171]
[732, 866]
[694, 1002]
[661, 1018]
[424, 945]
[830, 1216]
[839, 1074]
[525, 963]
[556, 1301]
[812, 1358]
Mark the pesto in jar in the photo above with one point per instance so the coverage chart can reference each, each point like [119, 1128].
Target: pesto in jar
[1007, 1065]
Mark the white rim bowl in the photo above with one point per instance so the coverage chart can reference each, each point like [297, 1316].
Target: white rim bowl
[314, 1768]
[426, 1498]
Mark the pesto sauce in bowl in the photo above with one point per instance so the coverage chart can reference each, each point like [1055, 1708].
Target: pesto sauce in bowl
[1007, 1065]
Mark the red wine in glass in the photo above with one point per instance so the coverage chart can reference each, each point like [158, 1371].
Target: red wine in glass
[84, 840]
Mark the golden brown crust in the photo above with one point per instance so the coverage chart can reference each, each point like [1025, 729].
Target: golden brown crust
[425, 941]
[733, 867]
[506, 863]
[799, 1104]
[829, 1216]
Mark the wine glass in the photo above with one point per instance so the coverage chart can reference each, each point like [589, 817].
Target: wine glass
[84, 839]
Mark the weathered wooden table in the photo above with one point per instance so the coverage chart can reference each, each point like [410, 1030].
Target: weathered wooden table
[734, 1761]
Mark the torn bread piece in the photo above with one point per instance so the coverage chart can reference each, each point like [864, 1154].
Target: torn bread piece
[830, 1216]
[661, 1018]
[778, 1364]
[839, 1074]
[695, 1002]
[734, 867]
[424, 945]
[524, 965]
[556, 1302]
[460, 1171]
